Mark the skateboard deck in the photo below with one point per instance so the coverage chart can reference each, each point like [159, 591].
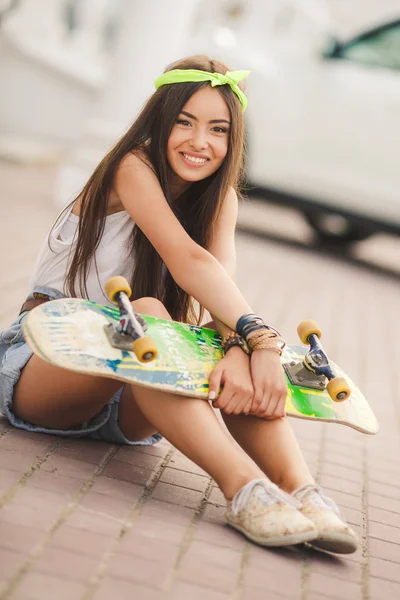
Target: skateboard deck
[69, 333]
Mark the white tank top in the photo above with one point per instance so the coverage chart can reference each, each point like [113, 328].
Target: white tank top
[112, 255]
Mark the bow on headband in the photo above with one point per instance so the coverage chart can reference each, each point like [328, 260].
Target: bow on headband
[231, 78]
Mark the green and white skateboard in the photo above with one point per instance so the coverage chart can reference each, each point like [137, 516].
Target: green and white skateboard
[86, 337]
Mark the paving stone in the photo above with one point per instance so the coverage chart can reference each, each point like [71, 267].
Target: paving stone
[121, 589]
[341, 485]
[184, 591]
[164, 511]
[148, 548]
[384, 569]
[214, 514]
[65, 564]
[69, 467]
[95, 523]
[185, 479]
[384, 532]
[159, 529]
[219, 535]
[84, 450]
[20, 462]
[384, 550]
[10, 561]
[336, 566]
[151, 573]
[386, 490]
[385, 503]
[41, 586]
[17, 537]
[7, 480]
[381, 588]
[200, 572]
[91, 543]
[271, 559]
[226, 558]
[54, 481]
[113, 488]
[217, 497]
[124, 471]
[250, 593]
[177, 495]
[178, 461]
[385, 517]
[25, 443]
[322, 584]
[276, 581]
[131, 456]
[104, 505]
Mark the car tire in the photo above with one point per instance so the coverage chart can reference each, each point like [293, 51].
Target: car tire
[336, 230]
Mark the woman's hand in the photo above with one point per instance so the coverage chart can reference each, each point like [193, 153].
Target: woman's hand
[269, 383]
[233, 372]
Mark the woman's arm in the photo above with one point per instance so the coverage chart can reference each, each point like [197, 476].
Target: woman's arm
[233, 371]
[193, 268]
[197, 272]
[222, 245]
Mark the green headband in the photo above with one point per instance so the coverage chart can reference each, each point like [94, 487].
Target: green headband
[230, 78]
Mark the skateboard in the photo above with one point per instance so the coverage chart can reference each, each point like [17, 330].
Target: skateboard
[86, 337]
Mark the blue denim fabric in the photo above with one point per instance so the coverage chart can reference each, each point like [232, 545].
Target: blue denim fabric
[15, 353]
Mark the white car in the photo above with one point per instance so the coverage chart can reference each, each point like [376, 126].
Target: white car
[323, 122]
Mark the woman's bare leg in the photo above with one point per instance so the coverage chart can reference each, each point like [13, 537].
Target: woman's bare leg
[273, 447]
[57, 398]
[191, 426]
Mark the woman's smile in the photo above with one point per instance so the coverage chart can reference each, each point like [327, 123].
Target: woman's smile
[194, 160]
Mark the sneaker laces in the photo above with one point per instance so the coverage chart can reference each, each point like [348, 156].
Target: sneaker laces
[270, 495]
[318, 498]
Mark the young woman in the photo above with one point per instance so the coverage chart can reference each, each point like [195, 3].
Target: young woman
[161, 209]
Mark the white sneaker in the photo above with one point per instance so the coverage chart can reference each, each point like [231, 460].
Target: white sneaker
[268, 516]
[334, 534]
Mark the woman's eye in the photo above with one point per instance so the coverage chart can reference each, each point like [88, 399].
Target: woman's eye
[182, 122]
[220, 129]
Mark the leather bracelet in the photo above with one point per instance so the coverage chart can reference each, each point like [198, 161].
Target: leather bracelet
[234, 339]
[266, 340]
[251, 322]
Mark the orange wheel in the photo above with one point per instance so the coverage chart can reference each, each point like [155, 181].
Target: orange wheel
[338, 389]
[145, 349]
[115, 285]
[306, 328]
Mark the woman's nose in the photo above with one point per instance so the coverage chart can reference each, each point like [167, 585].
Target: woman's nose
[199, 140]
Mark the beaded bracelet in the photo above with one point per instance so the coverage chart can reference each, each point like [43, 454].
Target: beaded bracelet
[234, 339]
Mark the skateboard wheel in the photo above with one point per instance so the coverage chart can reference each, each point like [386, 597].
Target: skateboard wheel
[115, 285]
[338, 389]
[145, 349]
[306, 328]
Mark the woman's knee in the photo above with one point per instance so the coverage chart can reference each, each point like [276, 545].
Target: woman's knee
[151, 306]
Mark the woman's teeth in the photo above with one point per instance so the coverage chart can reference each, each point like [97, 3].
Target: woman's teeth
[194, 159]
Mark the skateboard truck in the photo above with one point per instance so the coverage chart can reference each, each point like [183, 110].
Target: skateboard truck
[129, 334]
[315, 369]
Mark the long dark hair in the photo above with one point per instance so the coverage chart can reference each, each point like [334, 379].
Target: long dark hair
[197, 208]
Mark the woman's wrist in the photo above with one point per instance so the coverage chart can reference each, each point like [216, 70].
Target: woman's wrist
[258, 335]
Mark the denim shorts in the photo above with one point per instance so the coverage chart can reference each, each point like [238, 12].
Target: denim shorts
[15, 353]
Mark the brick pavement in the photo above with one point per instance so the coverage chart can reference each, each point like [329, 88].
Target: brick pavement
[82, 520]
